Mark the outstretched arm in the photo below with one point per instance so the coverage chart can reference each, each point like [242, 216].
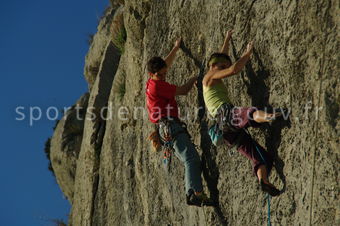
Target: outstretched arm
[225, 47]
[170, 58]
[184, 89]
[237, 66]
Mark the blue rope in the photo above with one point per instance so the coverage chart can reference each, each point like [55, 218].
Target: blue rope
[268, 196]
[268, 214]
[258, 151]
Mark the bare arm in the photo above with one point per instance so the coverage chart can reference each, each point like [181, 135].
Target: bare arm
[237, 66]
[184, 89]
[225, 47]
[171, 56]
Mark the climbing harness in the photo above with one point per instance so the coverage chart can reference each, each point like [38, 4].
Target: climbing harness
[223, 125]
[224, 118]
[216, 135]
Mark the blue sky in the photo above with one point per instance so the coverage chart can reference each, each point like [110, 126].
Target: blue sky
[43, 44]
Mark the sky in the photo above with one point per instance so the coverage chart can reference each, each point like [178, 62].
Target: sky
[43, 44]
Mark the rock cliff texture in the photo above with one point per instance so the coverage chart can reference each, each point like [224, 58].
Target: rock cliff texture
[107, 169]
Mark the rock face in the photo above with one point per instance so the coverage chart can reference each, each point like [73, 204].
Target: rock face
[120, 181]
[65, 146]
[97, 47]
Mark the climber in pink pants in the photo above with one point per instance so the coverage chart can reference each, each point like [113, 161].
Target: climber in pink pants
[233, 121]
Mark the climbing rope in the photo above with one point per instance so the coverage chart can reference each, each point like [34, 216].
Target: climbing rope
[268, 196]
[316, 135]
[268, 213]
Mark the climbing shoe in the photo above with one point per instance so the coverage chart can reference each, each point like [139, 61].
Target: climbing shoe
[270, 189]
[199, 200]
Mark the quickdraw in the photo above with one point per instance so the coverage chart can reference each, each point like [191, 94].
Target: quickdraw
[167, 143]
[168, 149]
[167, 139]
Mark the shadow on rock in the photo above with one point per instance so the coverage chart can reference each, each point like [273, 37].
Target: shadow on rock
[209, 166]
[273, 141]
[259, 93]
[211, 171]
[188, 52]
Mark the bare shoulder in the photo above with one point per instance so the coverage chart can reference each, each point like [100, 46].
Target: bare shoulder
[207, 78]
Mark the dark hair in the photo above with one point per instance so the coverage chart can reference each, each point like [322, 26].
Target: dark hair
[155, 64]
[218, 55]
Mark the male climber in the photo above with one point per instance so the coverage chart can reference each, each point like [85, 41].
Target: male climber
[163, 111]
[233, 120]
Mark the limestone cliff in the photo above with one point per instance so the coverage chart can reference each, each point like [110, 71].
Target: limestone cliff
[106, 167]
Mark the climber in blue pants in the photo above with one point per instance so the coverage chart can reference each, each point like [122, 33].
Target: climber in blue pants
[163, 111]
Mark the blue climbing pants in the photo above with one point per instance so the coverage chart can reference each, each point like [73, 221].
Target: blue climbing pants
[186, 152]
